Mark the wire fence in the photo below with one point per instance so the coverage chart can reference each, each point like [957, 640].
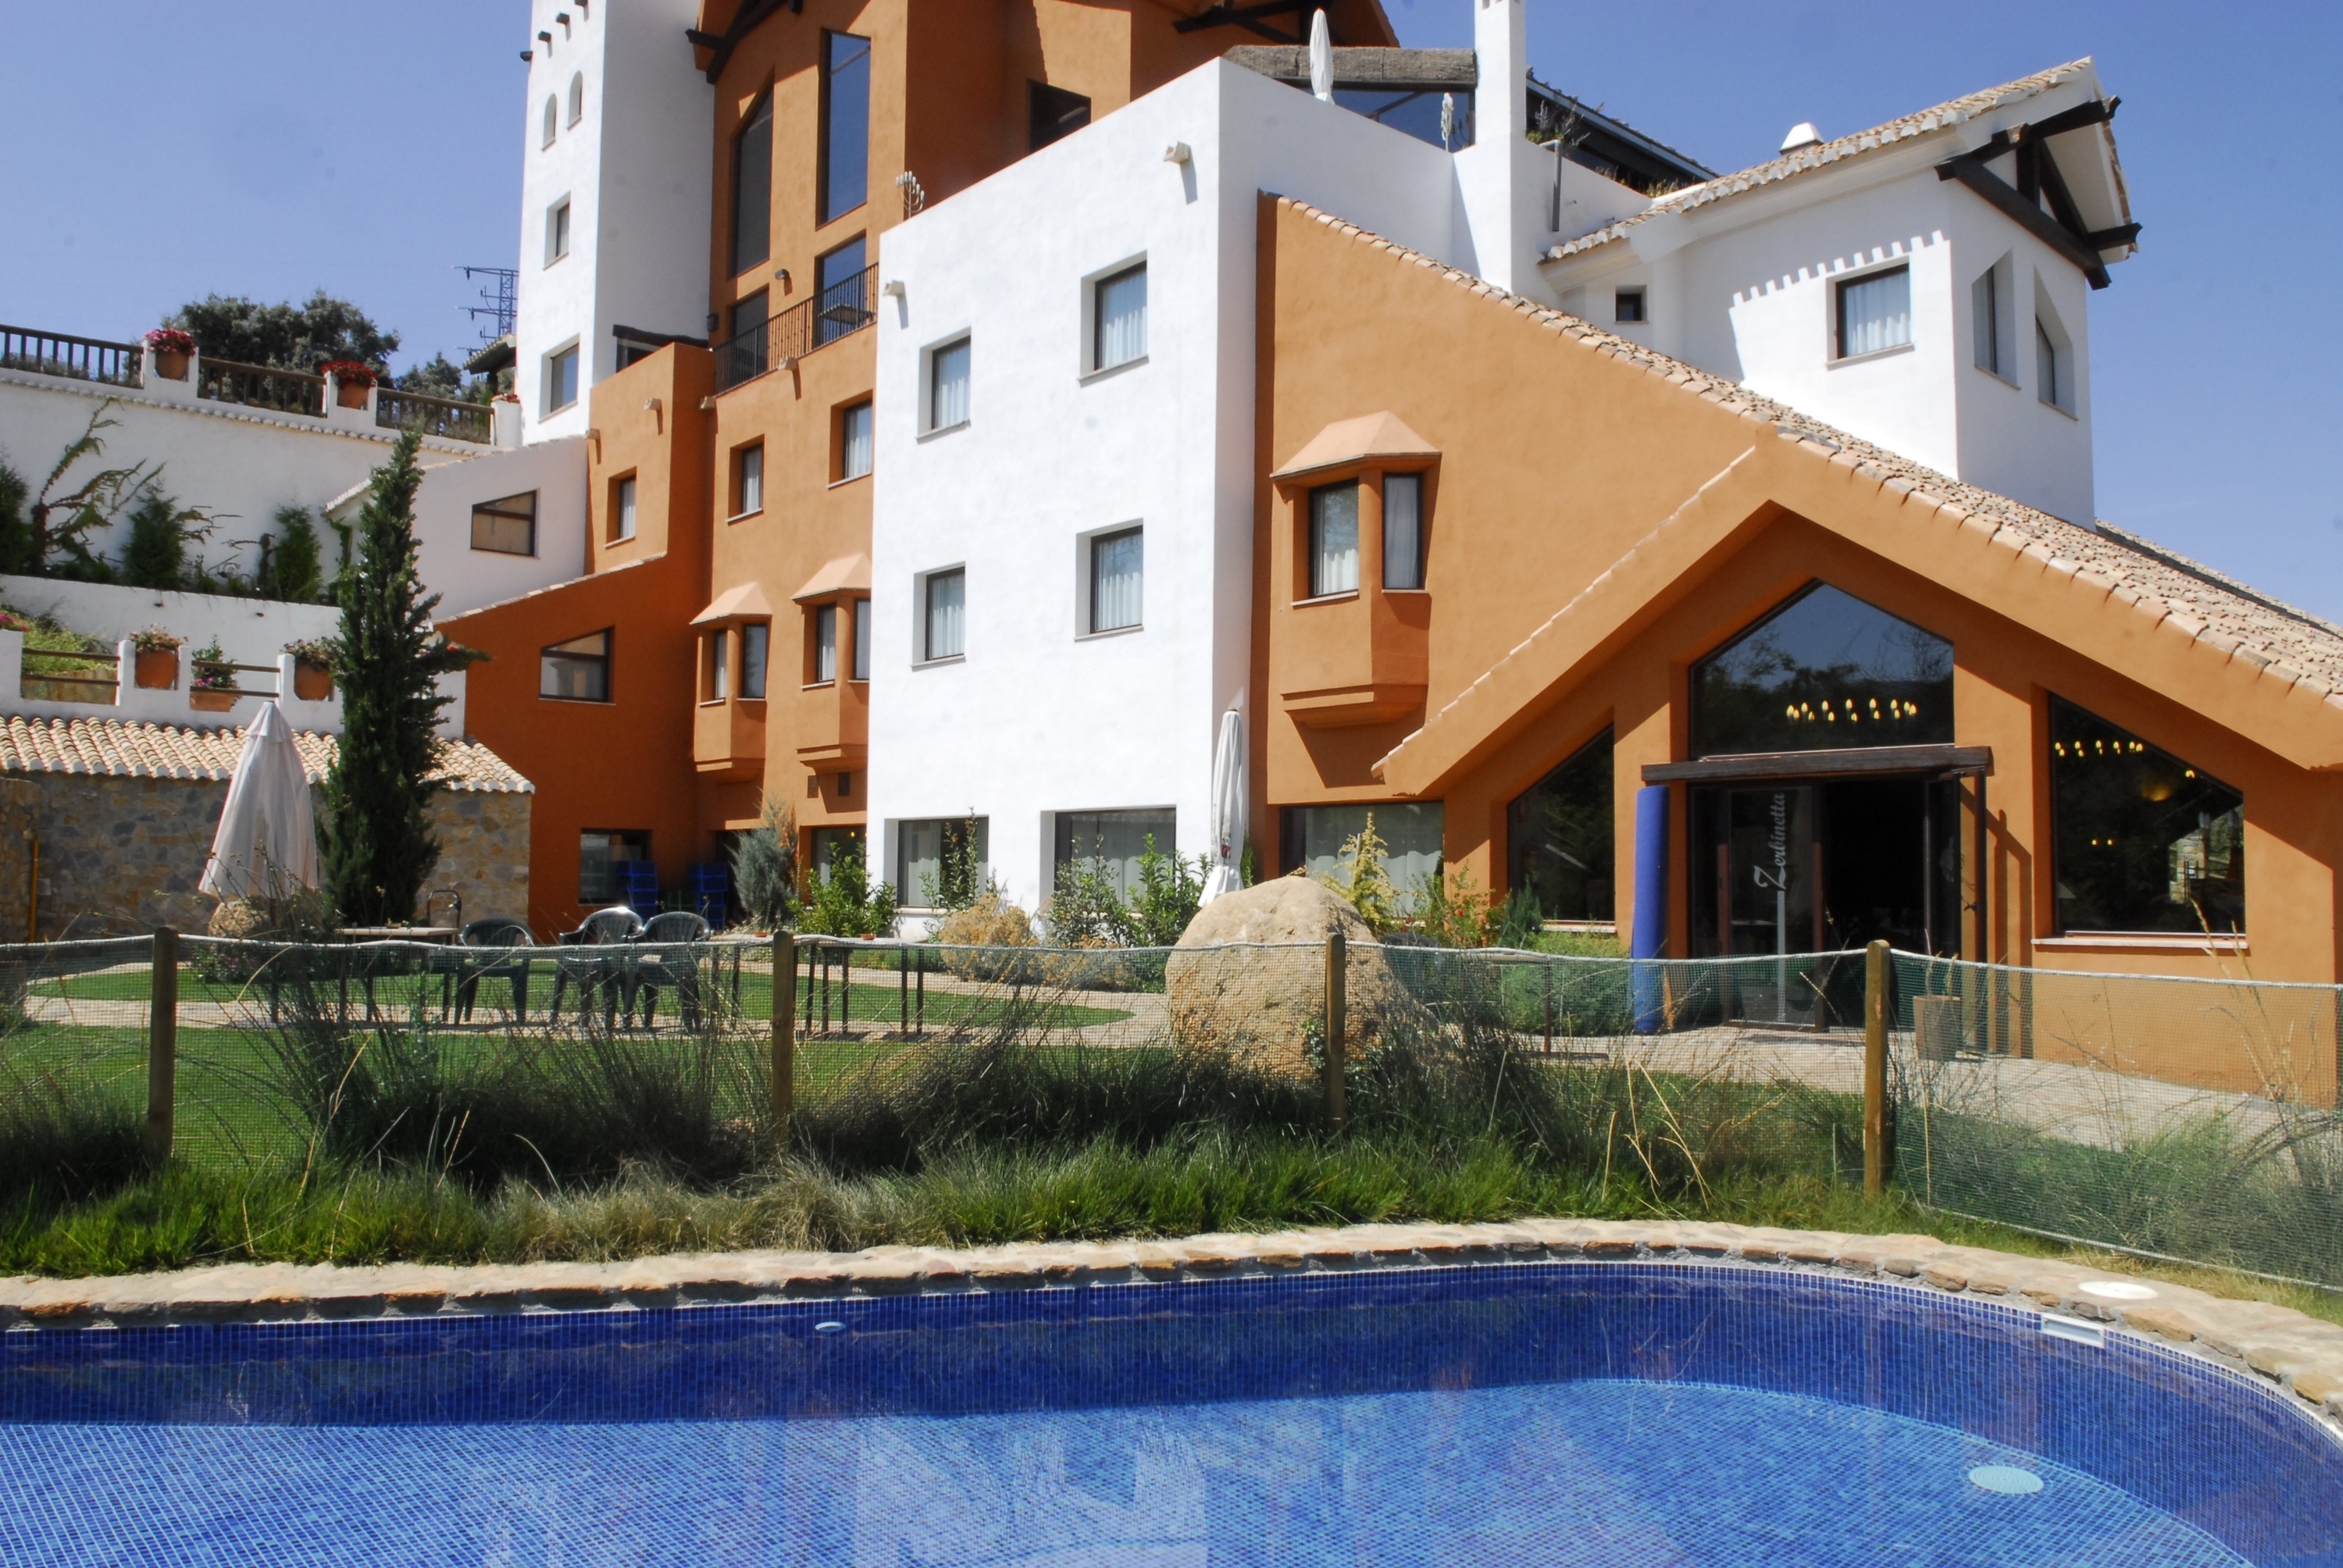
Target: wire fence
[2194, 1120]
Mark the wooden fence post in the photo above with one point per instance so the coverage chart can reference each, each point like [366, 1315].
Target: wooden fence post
[161, 1044]
[1337, 1002]
[784, 1042]
[1875, 1153]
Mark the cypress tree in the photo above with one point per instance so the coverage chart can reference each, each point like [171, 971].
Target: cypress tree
[378, 843]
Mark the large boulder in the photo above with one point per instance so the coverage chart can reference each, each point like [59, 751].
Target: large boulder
[1249, 976]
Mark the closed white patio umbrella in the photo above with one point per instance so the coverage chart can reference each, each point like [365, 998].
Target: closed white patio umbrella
[267, 845]
[1228, 808]
[1322, 59]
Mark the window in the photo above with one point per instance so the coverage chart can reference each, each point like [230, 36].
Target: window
[622, 510]
[2145, 842]
[1315, 836]
[1627, 305]
[854, 441]
[561, 379]
[754, 637]
[1118, 580]
[1053, 112]
[750, 313]
[577, 97]
[845, 784]
[1402, 530]
[862, 639]
[845, 125]
[507, 525]
[944, 597]
[1119, 326]
[842, 293]
[2046, 365]
[577, 670]
[942, 862]
[1558, 838]
[1824, 672]
[1435, 114]
[1875, 312]
[1334, 539]
[2056, 382]
[603, 856]
[836, 849]
[825, 644]
[749, 480]
[716, 683]
[1989, 321]
[633, 351]
[1112, 841]
[752, 189]
[557, 231]
[948, 386]
[552, 116]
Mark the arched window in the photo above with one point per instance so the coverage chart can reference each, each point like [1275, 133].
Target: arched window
[1824, 672]
[552, 112]
[577, 97]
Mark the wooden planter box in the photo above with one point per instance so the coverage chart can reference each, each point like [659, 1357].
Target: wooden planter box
[170, 364]
[349, 394]
[155, 671]
[207, 701]
[312, 682]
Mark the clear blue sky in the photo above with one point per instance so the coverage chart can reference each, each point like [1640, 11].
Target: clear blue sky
[155, 151]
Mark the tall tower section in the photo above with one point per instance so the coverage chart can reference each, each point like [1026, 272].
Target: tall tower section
[614, 199]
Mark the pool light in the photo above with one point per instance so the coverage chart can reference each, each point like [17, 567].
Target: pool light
[2006, 1479]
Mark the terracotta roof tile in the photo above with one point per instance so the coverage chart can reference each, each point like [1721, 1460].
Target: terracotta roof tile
[120, 748]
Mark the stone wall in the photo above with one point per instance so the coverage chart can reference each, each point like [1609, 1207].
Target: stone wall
[124, 855]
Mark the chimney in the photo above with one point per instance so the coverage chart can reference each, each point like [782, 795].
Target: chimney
[1802, 135]
[1501, 45]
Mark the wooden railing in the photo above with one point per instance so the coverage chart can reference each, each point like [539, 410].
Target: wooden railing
[219, 675]
[63, 353]
[49, 676]
[445, 417]
[259, 386]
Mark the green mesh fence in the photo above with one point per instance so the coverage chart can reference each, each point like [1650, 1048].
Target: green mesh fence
[2185, 1119]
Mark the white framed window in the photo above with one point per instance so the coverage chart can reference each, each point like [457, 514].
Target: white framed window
[854, 441]
[943, 615]
[749, 479]
[862, 639]
[561, 378]
[1875, 312]
[1402, 530]
[1119, 318]
[1334, 539]
[825, 644]
[755, 639]
[1118, 581]
[577, 97]
[622, 510]
[552, 118]
[557, 231]
[947, 387]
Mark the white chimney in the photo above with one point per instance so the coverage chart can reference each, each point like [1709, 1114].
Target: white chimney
[1501, 43]
[1802, 135]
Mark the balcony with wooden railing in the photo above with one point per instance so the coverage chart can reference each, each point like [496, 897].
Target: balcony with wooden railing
[449, 418]
[75, 358]
[261, 386]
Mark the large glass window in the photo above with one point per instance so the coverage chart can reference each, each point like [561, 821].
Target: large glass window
[825, 643]
[1875, 312]
[833, 846]
[1113, 841]
[1439, 116]
[948, 386]
[1310, 837]
[854, 441]
[845, 124]
[2145, 843]
[1824, 672]
[1402, 530]
[507, 525]
[1334, 539]
[603, 856]
[946, 603]
[1117, 579]
[752, 189]
[577, 670]
[1558, 838]
[1120, 323]
[754, 637]
[941, 860]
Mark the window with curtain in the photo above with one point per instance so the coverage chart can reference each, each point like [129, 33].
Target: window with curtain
[1334, 539]
[1402, 530]
[1875, 312]
[752, 189]
[622, 510]
[577, 670]
[854, 441]
[755, 639]
[947, 604]
[948, 386]
[1117, 579]
[825, 644]
[507, 525]
[1120, 327]
[2145, 840]
[862, 639]
[749, 480]
[577, 97]
[845, 125]
[718, 684]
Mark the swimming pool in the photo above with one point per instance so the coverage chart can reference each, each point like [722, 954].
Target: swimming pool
[1550, 1412]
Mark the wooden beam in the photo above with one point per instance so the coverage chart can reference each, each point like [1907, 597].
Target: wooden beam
[743, 22]
[2108, 238]
[2094, 113]
[1854, 762]
[2026, 215]
[1249, 18]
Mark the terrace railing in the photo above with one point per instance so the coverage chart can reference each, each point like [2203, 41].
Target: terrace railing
[839, 311]
[63, 353]
[220, 676]
[426, 415]
[260, 386]
[49, 676]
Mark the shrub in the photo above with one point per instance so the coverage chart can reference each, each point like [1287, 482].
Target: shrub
[848, 902]
[991, 921]
[1090, 910]
[157, 555]
[764, 868]
[210, 672]
[59, 1143]
[1364, 885]
[289, 566]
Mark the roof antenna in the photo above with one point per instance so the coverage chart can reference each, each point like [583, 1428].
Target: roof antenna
[1322, 59]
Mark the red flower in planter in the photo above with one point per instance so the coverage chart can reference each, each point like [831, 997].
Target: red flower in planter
[171, 340]
[349, 371]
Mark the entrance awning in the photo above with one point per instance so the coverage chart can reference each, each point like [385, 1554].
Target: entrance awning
[1853, 762]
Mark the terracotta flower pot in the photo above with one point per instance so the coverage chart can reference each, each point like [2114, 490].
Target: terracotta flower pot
[312, 682]
[207, 701]
[156, 670]
[349, 394]
[171, 364]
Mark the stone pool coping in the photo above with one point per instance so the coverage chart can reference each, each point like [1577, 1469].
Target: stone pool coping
[2297, 1352]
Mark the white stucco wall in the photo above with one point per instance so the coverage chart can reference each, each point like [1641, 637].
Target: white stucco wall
[1037, 719]
[465, 579]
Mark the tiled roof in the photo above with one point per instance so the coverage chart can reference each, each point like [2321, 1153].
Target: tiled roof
[120, 748]
[2262, 632]
[1824, 154]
